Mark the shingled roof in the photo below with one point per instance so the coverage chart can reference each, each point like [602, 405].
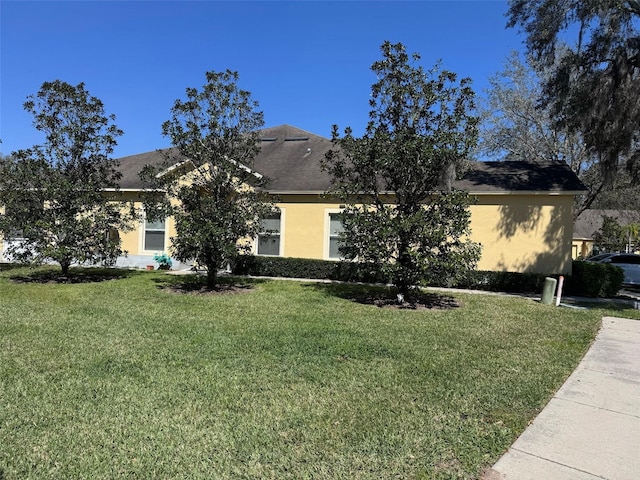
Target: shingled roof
[590, 221]
[290, 158]
[131, 166]
[487, 177]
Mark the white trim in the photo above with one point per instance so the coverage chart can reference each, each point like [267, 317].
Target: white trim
[326, 243]
[323, 192]
[526, 192]
[141, 237]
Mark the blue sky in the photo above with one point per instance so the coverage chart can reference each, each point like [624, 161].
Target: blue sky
[306, 63]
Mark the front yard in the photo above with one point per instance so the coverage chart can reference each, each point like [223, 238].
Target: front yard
[126, 378]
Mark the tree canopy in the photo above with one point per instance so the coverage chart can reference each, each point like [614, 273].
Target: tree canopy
[401, 213]
[593, 47]
[210, 189]
[514, 126]
[57, 196]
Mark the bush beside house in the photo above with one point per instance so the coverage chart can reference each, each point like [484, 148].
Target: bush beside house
[587, 280]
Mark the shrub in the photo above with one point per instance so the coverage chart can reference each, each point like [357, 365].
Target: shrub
[306, 268]
[164, 261]
[588, 279]
[512, 282]
[594, 280]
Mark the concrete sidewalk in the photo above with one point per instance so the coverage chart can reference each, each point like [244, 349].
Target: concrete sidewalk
[591, 428]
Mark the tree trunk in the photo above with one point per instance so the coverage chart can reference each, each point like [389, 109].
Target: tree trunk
[64, 265]
[402, 281]
[212, 275]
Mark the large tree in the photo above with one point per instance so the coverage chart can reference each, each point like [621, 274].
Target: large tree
[58, 196]
[401, 213]
[209, 189]
[593, 47]
[514, 126]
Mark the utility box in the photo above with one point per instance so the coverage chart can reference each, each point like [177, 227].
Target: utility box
[548, 290]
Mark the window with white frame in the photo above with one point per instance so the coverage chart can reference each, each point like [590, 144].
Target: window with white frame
[269, 237]
[335, 229]
[154, 234]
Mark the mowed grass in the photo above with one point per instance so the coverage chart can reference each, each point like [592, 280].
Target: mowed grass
[126, 379]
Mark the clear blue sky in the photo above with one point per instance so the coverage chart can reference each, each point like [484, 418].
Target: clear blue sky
[306, 63]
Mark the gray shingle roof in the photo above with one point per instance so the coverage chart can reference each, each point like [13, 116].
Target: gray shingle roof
[290, 158]
[131, 166]
[590, 221]
[520, 177]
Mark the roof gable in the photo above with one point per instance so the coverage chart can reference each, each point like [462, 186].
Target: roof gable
[290, 159]
[590, 221]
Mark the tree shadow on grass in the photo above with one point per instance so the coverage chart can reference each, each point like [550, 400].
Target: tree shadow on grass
[197, 284]
[4, 267]
[386, 297]
[75, 275]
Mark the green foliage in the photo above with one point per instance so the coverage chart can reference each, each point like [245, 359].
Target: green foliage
[209, 188]
[622, 194]
[401, 215]
[509, 282]
[307, 268]
[594, 280]
[122, 379]
[611, 237]
[56, 208]
[514, 126]
[594, 49]
[164, 261]
[587, 280]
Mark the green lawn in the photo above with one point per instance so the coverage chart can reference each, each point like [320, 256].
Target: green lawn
[123, 378]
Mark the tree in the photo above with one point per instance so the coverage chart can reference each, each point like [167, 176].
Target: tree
[514, 126]
[210, 190]
[622, 194]
[611, 237]
[595, 83]
[401, 213]
[56, 205]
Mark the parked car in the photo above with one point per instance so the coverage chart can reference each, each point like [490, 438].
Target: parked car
[628, 262]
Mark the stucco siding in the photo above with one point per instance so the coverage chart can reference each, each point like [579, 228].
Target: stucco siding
[518, 232]
[524, 233]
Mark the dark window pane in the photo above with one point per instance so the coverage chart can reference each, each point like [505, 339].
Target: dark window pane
[154, 241]
[269, 245]
[271, 224]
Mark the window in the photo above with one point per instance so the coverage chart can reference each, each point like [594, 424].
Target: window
[14, 234]
[335, 229]
[154, 235]
[269, 238]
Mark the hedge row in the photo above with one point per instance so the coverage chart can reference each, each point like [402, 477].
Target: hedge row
[306, 268]
[594, 279]
[588, 279]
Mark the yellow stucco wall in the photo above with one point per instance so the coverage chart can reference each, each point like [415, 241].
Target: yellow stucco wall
[518, 232]
[521, 233]
[524, 233]
[133, 240]
[305, 224]
[581, 248]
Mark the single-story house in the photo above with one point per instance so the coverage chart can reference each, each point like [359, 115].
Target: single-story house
[522, 216]
[589, 222]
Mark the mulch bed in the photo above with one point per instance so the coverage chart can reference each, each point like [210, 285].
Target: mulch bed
[193, 288]
[56, 277]
[417, 301]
